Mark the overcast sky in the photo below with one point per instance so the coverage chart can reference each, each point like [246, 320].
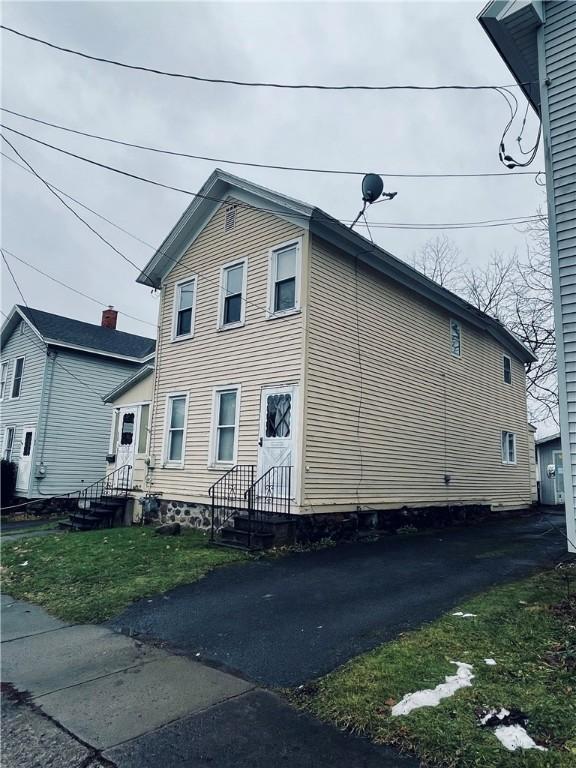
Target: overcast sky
[333, 43]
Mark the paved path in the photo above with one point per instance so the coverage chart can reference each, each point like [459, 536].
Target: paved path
[96, 698]
[283, 621]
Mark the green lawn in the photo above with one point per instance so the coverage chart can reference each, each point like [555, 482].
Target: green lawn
[92, 576]
[528, 627]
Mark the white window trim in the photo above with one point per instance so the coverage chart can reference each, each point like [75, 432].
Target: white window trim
[508, 383]
[5, 366]
[5, 441]
[459, 324]
[220, 319]
[213, 441]
[505, 459]
[166, 463]
[271, 314]
[176, 302]
[23, 358]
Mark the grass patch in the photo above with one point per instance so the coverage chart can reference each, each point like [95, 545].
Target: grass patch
[528, 627]
[91, 576]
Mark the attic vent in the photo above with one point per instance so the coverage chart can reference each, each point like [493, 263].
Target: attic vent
[230, 218]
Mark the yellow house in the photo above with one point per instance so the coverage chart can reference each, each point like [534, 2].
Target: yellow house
[301, 368]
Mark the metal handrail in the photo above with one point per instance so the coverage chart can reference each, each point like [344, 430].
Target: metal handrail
[107, 485]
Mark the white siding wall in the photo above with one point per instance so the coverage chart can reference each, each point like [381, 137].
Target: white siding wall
[385, 424]
[23, 412]
[557, 44]
[262, 352]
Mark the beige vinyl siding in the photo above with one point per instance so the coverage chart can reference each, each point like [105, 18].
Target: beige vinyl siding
[260, 353]
[418, 414]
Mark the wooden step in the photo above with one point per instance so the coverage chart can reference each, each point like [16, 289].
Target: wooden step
[245, 539]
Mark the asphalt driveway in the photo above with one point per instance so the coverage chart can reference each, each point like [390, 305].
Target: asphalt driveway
[280, 622]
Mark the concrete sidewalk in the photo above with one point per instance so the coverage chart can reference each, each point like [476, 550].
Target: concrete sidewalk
[95, 696]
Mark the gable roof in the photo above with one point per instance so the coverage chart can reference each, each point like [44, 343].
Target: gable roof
[60, 331]
[222, 186]
[129, 382]
[548, 439]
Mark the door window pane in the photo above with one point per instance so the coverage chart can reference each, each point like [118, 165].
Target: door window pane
[27, 447]
[127, 434]
[278, 415]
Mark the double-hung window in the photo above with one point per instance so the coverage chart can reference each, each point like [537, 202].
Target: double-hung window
[3, 379]
[508, 448]
[225, 425]
[285, 278]
[184, 307]
[507, 369]
[232, 294]
[17, 378]
[176, 410]
[455, 338]
[8, 443]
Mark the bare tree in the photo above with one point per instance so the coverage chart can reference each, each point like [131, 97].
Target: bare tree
[517, 291]
[439, 259]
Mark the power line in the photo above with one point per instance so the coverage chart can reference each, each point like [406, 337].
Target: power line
[44, 350]
[241, 204]
[83, 205]
[175, 153]
[65, 204]
[259, 84]
[71, 288]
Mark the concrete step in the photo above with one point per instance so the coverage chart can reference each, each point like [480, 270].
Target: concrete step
[245, 539]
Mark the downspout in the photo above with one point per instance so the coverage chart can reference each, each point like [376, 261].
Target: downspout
[45, 404]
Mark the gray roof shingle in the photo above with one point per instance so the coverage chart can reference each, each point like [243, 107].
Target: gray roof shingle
[75, 332]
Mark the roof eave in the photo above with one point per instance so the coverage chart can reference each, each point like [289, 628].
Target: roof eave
[93, 351]
[341, 236]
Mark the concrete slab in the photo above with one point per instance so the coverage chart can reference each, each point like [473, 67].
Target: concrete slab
[121, 706]
[23, 619]
[254, 731]
[48, 662]
[6, 599]
[30, 740]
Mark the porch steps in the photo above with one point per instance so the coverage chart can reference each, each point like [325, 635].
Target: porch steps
[100, 514]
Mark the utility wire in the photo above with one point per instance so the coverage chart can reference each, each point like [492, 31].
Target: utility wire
[69, 207]
[221, 200]
[38, 343]
[83, 205]
[71, 288]
[257, 84]
[175, 153]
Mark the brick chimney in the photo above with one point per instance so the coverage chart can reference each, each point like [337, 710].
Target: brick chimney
[109, 317]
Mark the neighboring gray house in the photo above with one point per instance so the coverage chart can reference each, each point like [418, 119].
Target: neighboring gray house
[55, 372]
[550, 470]
[537, 40]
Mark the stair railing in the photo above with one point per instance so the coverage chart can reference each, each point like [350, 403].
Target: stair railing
[228, 495]
[116, 484]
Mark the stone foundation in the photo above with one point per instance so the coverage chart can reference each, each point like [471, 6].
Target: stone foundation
[186, 513]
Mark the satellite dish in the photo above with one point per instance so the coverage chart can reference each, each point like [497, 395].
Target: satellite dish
[372, 187]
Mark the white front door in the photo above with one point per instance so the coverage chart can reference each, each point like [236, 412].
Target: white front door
[127, 437]
[25, 460]
[558, 477]
[277, 438]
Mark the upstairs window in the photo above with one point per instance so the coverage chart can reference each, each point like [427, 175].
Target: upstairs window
[285, 278]
[184, 305]
[508, 448]
[3, 379]
[17, 379]
[176, 429]
[455, 338]
[507, 369]
[232, 294]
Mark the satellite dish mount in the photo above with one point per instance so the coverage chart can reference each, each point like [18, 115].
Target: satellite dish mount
[372, 189]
